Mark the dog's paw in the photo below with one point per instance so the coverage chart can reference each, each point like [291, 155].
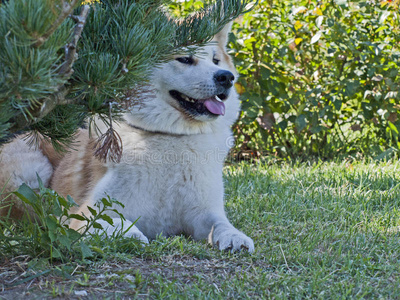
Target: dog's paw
[136, 234]
[133, 231]
[232, 240]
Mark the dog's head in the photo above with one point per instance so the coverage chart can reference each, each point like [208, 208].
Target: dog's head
[192, 94]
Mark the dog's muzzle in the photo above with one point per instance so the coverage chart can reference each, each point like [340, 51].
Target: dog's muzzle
[212, 106]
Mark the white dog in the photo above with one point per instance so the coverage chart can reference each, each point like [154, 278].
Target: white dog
[174, 146]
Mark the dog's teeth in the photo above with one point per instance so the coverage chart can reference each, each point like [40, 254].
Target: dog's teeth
[218, 99]
[188, 99]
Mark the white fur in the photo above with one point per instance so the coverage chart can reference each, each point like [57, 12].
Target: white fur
[174, 185]
[172, 181]
[20, 163]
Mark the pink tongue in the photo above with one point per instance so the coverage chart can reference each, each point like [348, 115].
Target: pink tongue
[215, 107]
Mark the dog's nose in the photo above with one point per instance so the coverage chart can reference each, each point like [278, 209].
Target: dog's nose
[224, 78]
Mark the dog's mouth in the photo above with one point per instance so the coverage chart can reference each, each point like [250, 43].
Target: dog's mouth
[212, 106]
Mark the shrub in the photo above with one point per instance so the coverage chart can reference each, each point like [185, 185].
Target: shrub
[319, 78]
[46, 233]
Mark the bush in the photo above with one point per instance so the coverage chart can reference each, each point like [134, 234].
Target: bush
[46, 233]
[319, 78]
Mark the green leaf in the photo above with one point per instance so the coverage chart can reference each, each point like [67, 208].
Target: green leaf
[45, 240]
[351, 88]
[86, 252]
[52, 235]
[252, 113]
[107, 219]
[97, 226]
[62, 202]
[97, 249]
[283, 124]
[51, 223]
[73, 234]
[55, 253]
[301, 122]
[105, 202]
[393, 127]
[118, 213]
[92, 211]
[78, 217]
[41, 185]
[65, 241]
[26, 194]
[56, 209]
[337, 104]
[71, 201]
[316, 129]
[265, 73]
[114, 201]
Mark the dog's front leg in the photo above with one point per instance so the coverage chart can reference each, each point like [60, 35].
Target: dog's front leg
[221, 233]
[119, 225]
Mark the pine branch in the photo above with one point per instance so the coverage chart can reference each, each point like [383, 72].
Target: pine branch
[66, 11]
[20, 123]
[119, 42]
[200, 27]
[59, 97]
[70, 49]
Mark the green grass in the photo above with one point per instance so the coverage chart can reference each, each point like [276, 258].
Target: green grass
[321, 231]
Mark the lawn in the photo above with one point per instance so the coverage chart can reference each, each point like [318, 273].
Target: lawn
[321, 230]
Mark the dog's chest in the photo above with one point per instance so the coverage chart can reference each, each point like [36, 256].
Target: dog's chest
[163, 180]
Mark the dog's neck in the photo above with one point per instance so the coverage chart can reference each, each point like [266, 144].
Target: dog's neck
[153, 131]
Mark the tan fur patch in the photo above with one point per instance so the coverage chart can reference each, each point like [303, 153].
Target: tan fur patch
[79, 171]
[53, 156]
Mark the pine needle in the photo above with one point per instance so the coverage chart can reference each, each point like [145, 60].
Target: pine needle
[109, 145]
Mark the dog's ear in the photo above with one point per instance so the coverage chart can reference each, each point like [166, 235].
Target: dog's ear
[222, 37]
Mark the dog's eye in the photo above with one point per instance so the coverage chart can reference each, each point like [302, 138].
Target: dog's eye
[215, 61]
[186, 60]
